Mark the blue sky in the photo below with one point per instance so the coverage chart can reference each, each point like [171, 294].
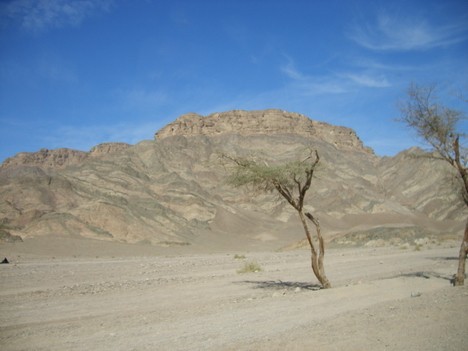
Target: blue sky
[78, 73]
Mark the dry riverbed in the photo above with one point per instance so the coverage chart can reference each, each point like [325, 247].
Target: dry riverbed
[382, 299]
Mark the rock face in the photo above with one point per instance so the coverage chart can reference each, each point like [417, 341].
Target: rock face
[108, 148]
[58, 158]
[61, 158]
[266, 122]
[172, 190]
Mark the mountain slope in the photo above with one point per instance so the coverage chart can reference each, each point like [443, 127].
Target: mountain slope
[172, 190]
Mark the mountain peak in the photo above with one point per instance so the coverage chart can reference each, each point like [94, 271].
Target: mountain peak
[262, 122]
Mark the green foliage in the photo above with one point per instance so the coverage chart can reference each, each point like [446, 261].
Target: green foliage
[265, 177]
[433, 122]
[291, 180]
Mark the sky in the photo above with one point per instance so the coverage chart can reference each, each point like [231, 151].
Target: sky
[79, 73]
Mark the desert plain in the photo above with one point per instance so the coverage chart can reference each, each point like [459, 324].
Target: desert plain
[82, 294]
[147, 246]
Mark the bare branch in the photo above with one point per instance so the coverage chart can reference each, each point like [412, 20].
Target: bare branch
[437, 126]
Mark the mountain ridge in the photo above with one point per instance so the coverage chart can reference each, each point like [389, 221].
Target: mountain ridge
[258, 122]
[171, 191]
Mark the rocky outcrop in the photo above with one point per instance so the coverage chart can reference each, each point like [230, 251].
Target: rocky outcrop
[57, 158]
[264, 122]
[108, 148]
[6, 237]
[63, 157]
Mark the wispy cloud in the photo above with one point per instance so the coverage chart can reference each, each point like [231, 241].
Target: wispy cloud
[368, 80]
[372, 64]
[397, 33]
[308, 85]
[40, 15]
[290, 70]
[334, 82]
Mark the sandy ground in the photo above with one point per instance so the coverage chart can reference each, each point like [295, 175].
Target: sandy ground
[131, 298]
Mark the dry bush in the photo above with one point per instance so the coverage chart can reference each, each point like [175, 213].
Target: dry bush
[250, 267]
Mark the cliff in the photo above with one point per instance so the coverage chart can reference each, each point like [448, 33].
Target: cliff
[264, 122]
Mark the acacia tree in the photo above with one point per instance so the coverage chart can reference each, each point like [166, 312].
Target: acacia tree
[438, 126]
[292, 181]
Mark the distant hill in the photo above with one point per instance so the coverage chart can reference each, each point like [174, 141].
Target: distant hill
[172, 190]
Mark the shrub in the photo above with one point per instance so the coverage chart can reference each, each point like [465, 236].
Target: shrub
[239, 257]
[250, 267]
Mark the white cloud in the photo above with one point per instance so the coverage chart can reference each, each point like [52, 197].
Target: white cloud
[370, 64]
[333, 83]
[291, 71]
[40, 15]
[304, 84]
[369, 80]
[390, 33]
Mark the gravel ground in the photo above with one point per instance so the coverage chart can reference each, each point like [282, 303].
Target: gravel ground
[382, 299]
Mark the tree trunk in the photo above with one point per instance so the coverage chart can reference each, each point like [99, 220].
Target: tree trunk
[316, 258]
[321, 255]
[460, 276]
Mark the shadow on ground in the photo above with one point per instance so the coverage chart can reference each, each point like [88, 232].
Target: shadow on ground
[280, 285]
[428, 275]
[447, 258]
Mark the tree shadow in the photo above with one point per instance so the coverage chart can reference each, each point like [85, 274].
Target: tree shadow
[280, 285]
[448, 258]
[428, 275]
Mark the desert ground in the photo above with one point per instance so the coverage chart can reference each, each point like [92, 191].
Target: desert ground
[73, 294]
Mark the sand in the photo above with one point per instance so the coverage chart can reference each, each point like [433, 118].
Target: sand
[86, 295]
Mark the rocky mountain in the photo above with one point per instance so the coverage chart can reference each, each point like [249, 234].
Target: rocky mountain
[61, 158]
[267, 122]
[172, 190]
